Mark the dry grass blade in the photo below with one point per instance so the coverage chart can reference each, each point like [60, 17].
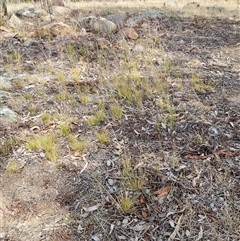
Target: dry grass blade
[176, 230]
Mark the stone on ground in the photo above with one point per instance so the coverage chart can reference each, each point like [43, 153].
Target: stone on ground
[118, 18]
[127, 33]
[53, 30]
[15, 22]
[145, 15]
[101, 25]
[60, 11]
[7, 117]
[30, 12]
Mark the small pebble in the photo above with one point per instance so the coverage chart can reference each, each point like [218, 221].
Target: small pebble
[118, 223]
[214, 209]
[125, 221]
[110, 181]
[109, 163]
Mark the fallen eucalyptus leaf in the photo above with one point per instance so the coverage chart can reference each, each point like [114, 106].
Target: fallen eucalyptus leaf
[92, 208]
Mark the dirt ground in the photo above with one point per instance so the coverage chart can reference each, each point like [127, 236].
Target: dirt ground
[173, 151]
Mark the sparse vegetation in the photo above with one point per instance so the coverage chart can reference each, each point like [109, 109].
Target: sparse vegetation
[84, 99]
[13, 166]
[126, 202]
[61, 77]
[135, 140]
[116, 111]
[64, 128]
[102, 136]
[77, 144]
[45, 117]
[46, 142]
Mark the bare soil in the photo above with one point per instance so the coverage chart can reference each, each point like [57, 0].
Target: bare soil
[187, 159]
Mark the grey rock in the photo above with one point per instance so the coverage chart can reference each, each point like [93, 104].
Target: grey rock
[101, 25]
[5, 84]
[7, 117]
[125, 221]
[118, 18]
[53, 30]
[216, 9]
[110, 182]
[138, 48]
[31, 12]
[109, 163]
[83, 32]
[4, 94]
[144, 16]
[60, 11]
[3, 72]
[28, 43]
[15, 22]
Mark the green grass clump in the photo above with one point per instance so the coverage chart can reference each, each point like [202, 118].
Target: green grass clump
[100, 115]
[101, 105]
[135, 183]
[84, 99]
[64, 128]
[102, 136]
[95, 119]
[49, 146]
[13, 166]
[46, 142]
[33, 143]
[200, 86]
[77, 144]
[6, 146]
[45, 118]
[126, 165]
[198, 140]
[61, 77]
[63, 95]
[92, 120]
[116, 111]
[126, 202]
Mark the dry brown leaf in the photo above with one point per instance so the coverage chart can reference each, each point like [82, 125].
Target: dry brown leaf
[144, 214]
[227, 153]
[196, 169]
[163, 191]
[191, 149]
[77, 154]
[217, 158]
